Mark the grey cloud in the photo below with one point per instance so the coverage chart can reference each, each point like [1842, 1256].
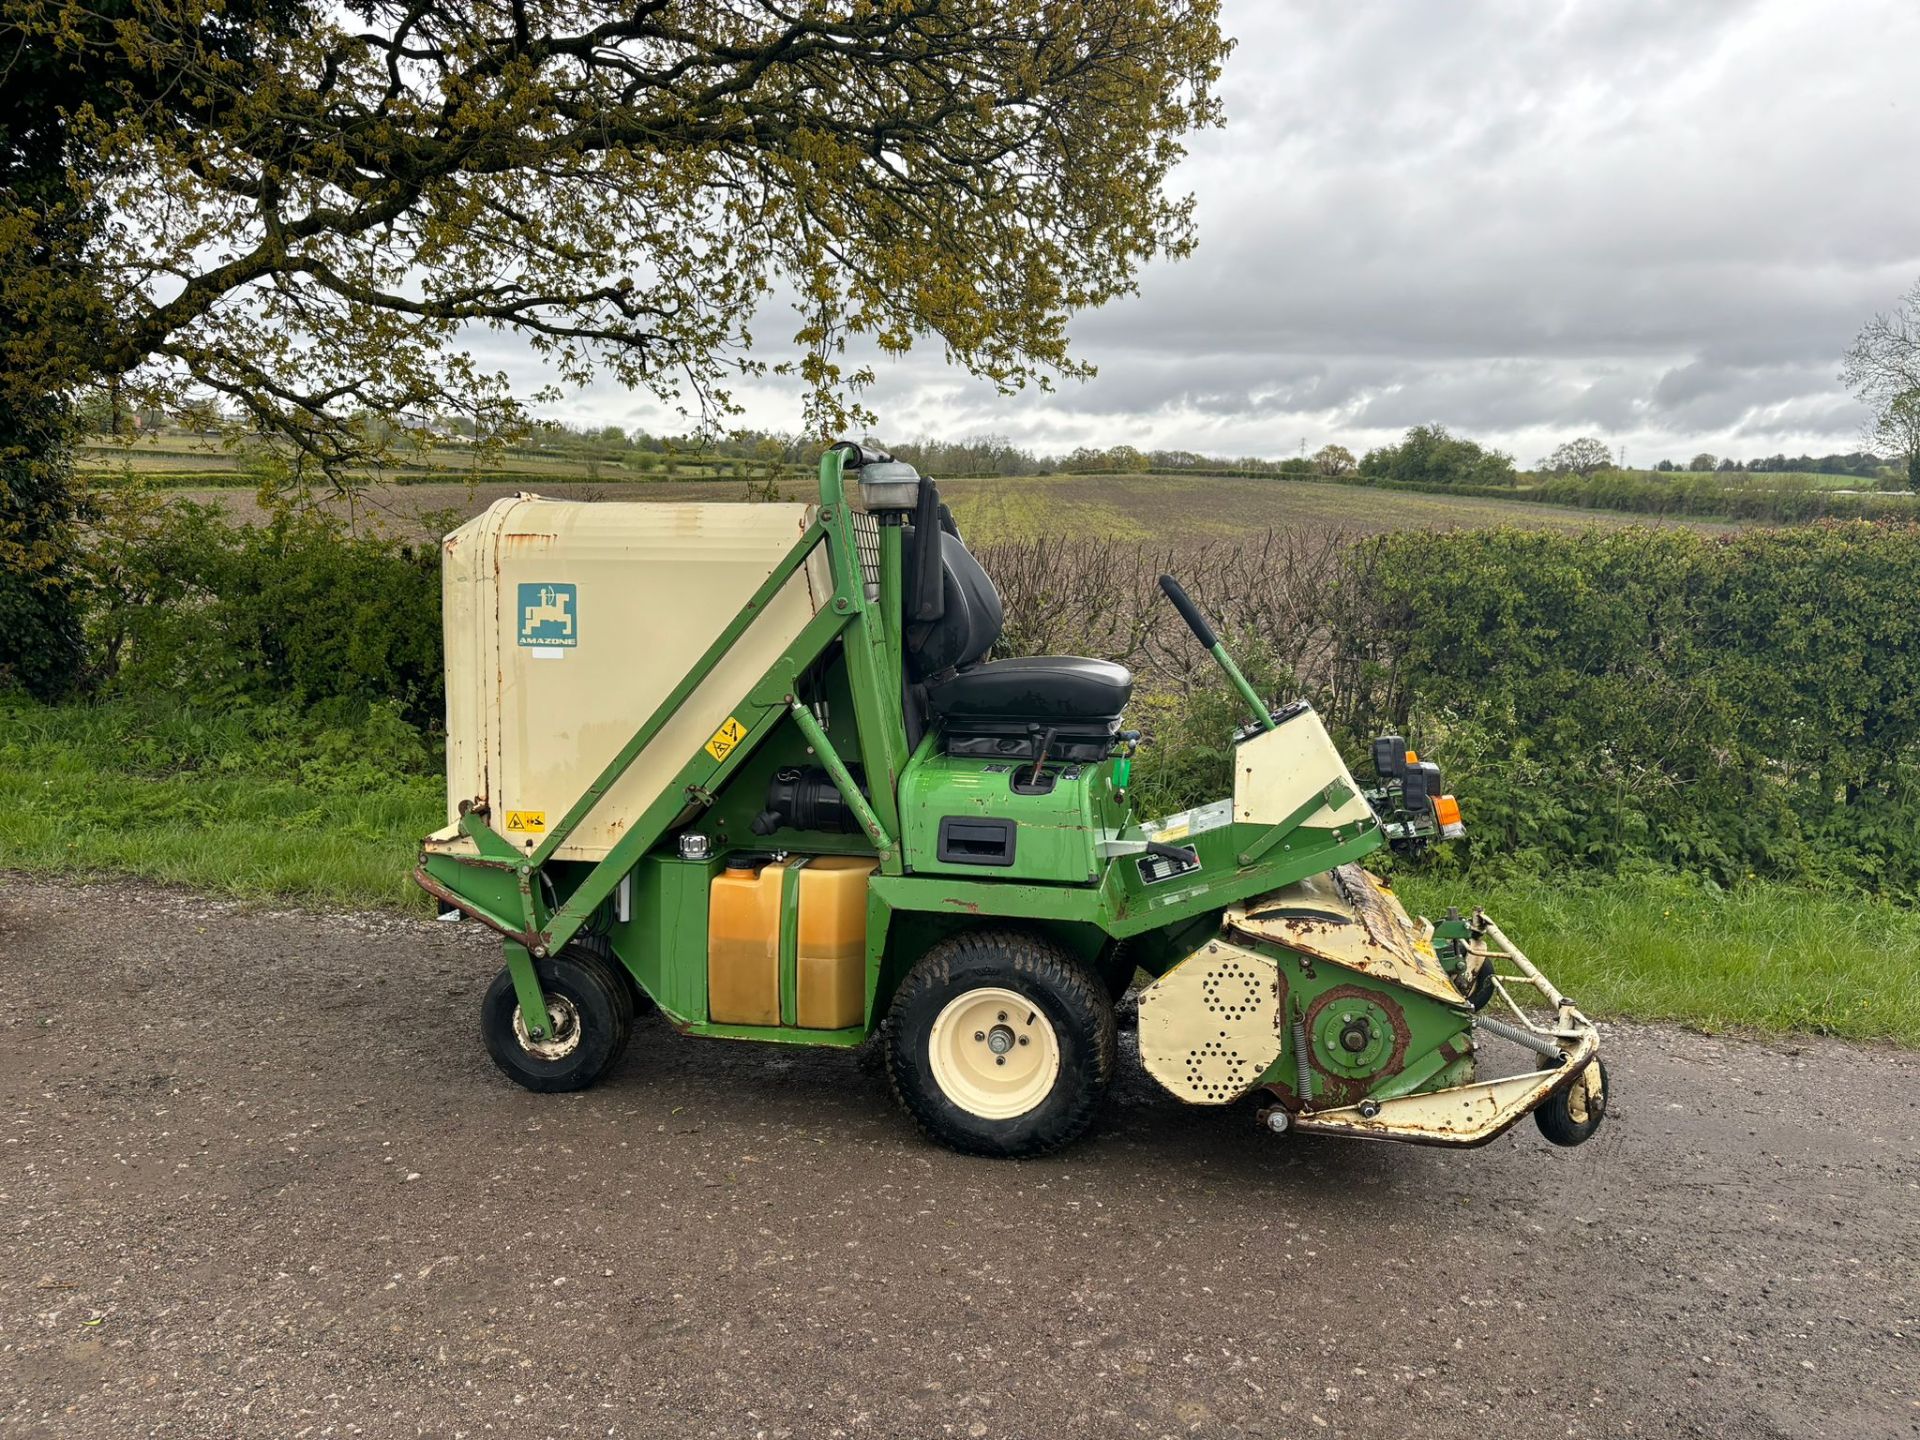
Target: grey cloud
[1662, 223]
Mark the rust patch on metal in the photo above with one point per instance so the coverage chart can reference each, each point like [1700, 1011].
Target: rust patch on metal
[440, 892]
[1357, 888]
[1342, 919]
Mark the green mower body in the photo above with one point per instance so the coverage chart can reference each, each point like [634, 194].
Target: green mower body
[783, 795]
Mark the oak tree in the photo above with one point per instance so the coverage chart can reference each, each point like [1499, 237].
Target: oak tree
[1585, 456]
[1334, 460]
[318, 210]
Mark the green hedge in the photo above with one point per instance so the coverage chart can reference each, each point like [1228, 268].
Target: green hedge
[1734, 705]
[1728, 705]
[185, 603]
[1712, 496]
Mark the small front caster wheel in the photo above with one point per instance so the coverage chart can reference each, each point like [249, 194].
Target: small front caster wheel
[591, 1018]
[999, 1043]
[1575, 1113]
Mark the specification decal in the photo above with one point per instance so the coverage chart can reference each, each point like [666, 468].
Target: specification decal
[1188, 823]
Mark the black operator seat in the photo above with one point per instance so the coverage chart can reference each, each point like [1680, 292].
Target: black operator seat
[986, 706]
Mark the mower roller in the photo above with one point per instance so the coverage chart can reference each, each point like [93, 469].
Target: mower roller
[751, 764]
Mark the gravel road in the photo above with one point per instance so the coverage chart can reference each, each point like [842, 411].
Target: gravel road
[260, 1179]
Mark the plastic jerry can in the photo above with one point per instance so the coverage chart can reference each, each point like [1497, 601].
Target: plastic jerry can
[830, 963]
[743, 942]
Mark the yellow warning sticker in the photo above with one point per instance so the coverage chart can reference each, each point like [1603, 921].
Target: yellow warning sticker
[526, 822]
[725, 738]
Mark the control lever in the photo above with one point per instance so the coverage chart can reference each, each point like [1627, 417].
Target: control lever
[1203, 632]
[1179, 854]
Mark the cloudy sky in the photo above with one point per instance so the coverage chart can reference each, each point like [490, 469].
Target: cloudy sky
[1659, 223]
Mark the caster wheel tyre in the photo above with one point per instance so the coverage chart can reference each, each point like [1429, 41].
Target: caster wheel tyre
[1572, 1116]
[595, 946]
[592, 1020]
[1480, 995]
[1001, 1044]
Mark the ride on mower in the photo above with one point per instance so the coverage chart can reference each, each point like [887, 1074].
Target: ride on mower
[752, 764]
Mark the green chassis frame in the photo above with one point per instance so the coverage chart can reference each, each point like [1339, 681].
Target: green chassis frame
[502, 887]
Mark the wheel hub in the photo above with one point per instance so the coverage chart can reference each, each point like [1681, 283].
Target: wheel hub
[1587, 1097]
[993, 1053]
[563, 1037]
[1352, 1036]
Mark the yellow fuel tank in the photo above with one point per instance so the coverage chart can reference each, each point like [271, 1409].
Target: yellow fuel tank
[830, 966]
[747, 941]
[743, 943]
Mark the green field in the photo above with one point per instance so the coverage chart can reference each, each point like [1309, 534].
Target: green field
[1119, 509]
[1130, 509]
[202, 461]
[1115, 509]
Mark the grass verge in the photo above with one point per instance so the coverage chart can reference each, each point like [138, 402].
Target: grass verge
[239, 800]
[264, 801]
[1669, 947]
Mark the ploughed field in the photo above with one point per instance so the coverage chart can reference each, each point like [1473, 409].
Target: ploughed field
[1128, 509]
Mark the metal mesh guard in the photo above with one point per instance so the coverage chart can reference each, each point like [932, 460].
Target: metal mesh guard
[866, 535]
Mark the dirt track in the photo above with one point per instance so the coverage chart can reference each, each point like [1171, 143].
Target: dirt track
[260, 1179]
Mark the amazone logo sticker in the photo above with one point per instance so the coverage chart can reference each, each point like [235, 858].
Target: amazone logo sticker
[526, 822]
[725, 738]
[549, 615]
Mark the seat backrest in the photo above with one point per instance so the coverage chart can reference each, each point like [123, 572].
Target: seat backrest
[971, 623]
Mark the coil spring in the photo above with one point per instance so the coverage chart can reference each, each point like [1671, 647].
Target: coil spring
[1301, 1070]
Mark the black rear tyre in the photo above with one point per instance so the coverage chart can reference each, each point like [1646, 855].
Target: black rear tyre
[999, 1043]
[592, 1019]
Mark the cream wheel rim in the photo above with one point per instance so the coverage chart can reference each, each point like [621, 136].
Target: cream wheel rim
[993, 1052]
[565, 1038]
[1587, 1097]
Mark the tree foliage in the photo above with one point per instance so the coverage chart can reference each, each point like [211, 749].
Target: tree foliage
[39, 621]
[1883, 371]
[309, 209]
[1333, 461]
[43, 228]
[1585, 456]
[1738, 704]
[1430, 456]
[181, 601]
